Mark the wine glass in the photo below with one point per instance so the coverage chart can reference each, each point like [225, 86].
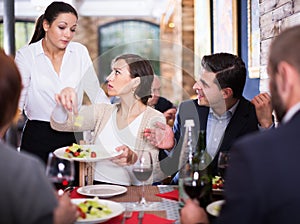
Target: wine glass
[223, 162]
[60, 172]
[142, 169]
[196, 183]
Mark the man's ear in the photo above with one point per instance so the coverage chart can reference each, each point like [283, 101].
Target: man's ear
[285, 79]
[282, 77]
[227, 92]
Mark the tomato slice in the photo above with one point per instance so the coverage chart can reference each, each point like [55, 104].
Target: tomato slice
[76, 154]
[82, 214]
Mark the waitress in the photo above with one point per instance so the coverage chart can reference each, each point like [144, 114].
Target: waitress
[50, 63]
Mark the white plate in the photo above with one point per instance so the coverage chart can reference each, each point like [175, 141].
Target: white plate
[214, 208]
[101, 190]
[116, 208]
[219, 190]
[101, 153]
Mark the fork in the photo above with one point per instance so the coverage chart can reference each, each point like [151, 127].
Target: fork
[127, 215]
[141, 216]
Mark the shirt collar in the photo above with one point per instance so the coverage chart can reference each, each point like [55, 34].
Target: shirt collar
[291, 112]
[39, 48]
[229, 112]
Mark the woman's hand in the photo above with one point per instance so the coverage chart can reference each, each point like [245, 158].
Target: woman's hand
[68, 99]
[128, 157]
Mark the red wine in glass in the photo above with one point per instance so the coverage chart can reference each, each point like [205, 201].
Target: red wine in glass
[142, 170]
[142, 174]
[60, 172]
[223, 162]
[61, 183]
[222, 169]
[193, 186]
[198, 186]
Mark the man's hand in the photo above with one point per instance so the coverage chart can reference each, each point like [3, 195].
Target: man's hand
[161, 136]
[170, 116]
[263, 108]
[192, 213]
[65, 212]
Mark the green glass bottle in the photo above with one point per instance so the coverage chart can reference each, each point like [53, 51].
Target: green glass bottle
[202, 161]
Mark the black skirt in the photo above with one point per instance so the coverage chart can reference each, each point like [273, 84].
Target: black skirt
[40, 139]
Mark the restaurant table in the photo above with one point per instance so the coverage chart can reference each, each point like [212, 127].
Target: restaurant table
[165, 208]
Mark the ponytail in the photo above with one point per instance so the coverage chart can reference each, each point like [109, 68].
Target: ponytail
[39, 31]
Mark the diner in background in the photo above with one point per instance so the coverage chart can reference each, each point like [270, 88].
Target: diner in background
[118, 126]
[220, 109]
[262, 181]
[26, 194]
[161, 103]
[48, 64]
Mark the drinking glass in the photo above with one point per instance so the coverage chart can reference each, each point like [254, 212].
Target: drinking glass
[223, 162]
[60, 172]
[142, 169]
[196, 183]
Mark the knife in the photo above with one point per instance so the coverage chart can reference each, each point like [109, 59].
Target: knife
[140, 217]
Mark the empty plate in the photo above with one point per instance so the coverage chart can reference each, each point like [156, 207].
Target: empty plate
[102, 190]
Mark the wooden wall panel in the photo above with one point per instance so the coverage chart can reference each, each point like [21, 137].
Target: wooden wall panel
[188, 27]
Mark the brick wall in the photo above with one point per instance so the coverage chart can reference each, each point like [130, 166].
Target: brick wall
[275, 16]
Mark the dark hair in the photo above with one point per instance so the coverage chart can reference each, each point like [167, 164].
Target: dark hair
[10, 89]
[230, 71]
[285, 47]
[51, 13]
[139, 67]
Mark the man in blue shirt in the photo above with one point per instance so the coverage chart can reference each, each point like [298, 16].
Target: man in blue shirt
[262, 183]
[220, 109]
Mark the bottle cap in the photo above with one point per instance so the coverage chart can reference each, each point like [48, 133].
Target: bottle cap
[189, 123]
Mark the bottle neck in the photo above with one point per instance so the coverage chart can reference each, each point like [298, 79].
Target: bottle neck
[201, 144]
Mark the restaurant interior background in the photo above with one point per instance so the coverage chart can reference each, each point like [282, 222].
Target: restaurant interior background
[173, 34]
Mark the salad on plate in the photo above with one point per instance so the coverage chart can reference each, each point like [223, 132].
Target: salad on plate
[79, 151]
[92, 209]
[95, 210]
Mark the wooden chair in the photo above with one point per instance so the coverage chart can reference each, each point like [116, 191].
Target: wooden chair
[86, 171]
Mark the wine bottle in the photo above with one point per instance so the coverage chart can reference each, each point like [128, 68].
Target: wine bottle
[186, 156]
[202, 160]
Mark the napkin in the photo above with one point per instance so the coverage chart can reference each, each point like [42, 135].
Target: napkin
[173, 195]
[148, 219]
[75, 194]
